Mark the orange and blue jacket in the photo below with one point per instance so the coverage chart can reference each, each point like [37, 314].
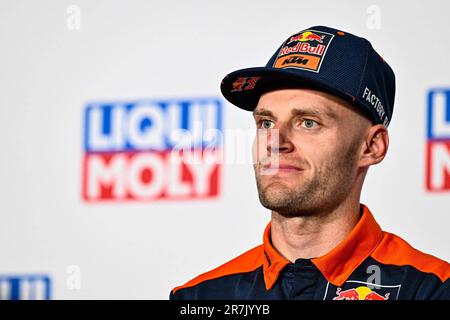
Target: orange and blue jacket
[369, 264]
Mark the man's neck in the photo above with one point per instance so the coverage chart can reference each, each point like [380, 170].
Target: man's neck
[313, 236]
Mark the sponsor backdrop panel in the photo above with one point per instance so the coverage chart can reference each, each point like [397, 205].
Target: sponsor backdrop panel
[96, 95]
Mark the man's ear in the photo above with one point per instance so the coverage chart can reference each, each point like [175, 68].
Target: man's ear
[375, 146]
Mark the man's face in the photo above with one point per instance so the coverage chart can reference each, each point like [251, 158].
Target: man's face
[313, 166]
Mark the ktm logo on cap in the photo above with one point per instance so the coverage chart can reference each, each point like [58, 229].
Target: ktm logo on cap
[304, 50]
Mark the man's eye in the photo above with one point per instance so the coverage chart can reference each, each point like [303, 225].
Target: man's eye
[308, 123]
[266, 124]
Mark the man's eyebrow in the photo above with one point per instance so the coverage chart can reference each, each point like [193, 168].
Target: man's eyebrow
[263, 112]
[298, 112]
[314, 112]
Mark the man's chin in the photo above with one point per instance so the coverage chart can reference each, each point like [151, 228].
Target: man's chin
[273, 188]
[280, 197]
[285, 207]
[273, 185]
[275, 195]
[281, 206]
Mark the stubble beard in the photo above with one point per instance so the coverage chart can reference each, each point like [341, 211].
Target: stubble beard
[316, 195]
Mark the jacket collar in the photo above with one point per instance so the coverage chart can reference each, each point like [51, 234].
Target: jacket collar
[338, 264]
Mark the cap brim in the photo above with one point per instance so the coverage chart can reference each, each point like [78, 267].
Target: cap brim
[247, 97]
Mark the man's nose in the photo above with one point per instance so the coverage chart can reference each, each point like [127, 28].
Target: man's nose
[279, 140]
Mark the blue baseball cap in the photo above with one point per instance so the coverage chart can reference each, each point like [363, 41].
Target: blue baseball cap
[324, 58]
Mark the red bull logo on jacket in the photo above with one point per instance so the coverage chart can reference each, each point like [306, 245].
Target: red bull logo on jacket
[438, 141]
[358, 290]
[304, 50]
[360, 293]
[152, 149]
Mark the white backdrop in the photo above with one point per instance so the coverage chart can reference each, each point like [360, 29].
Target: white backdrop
[57, 56]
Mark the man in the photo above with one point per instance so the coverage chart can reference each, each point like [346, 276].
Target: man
[322, 106]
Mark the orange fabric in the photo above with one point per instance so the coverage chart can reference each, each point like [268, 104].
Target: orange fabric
[366, 239]
[246, 262]
[338, 264]
[274, 262]
[394, 250]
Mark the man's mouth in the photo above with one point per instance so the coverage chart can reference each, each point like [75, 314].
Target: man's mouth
[280, 168]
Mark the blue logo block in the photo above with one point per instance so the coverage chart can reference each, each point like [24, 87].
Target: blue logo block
[438, 114]
[25, 287]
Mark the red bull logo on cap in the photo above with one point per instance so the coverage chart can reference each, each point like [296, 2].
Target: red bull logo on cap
[307, 36]
[304, 50]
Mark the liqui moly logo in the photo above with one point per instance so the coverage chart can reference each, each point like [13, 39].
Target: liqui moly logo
[152, 149]
[438, 141]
